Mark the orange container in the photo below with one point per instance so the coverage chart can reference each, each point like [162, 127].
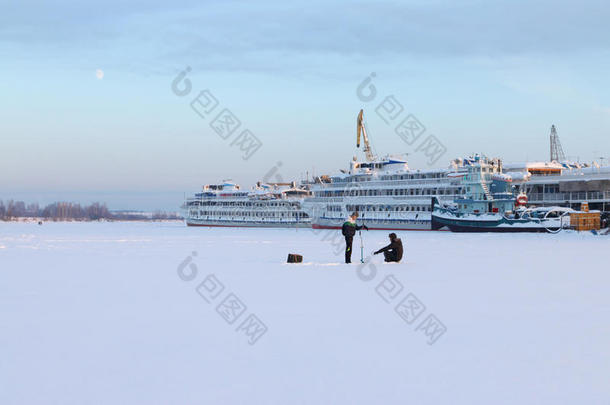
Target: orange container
[585, 221]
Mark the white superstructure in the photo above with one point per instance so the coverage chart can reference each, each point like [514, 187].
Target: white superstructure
[386, 193]
[275, 205]
[566, 183]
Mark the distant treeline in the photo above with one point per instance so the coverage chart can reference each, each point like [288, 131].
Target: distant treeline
[59, 211]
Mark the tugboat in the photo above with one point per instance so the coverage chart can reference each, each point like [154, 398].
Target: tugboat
[489, 204]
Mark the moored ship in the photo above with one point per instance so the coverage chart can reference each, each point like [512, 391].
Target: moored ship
[267, 205]
[385, 191]
[564, 182]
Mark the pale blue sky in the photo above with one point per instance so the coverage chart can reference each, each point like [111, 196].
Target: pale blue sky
[482, 76]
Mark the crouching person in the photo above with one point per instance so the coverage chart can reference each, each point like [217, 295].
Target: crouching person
[392, 252]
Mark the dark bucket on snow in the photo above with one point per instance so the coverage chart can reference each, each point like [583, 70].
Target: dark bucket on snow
[294, 258]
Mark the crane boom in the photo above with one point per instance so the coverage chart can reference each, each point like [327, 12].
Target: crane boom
[361, 129]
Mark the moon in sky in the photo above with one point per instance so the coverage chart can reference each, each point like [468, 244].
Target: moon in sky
[99, 73]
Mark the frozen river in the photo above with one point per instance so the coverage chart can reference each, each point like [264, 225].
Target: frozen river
[158, 313]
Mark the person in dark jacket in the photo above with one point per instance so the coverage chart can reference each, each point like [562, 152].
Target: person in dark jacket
[392, 252]
[349, 229]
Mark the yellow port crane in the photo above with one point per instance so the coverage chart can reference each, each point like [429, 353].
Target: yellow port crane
[367, 146]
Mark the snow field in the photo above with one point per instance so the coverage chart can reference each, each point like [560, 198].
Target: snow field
[98, 313]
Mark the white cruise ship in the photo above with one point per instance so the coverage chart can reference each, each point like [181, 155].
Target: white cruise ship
[274, 205]
[563, 182]
[386, 192]
[567, 184]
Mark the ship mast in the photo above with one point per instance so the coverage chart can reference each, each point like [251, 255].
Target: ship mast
[367, 146]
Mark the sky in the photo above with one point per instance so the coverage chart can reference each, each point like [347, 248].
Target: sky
[92, 108]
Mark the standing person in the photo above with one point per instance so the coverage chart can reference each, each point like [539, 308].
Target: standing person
[392, 252]
[349, 230]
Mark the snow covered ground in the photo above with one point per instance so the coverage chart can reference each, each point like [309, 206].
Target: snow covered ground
[125, 313]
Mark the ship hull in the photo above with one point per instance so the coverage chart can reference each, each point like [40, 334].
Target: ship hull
[246, 224]
[493, 224]
[372, 224]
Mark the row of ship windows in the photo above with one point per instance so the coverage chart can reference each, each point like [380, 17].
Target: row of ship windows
[261, 214]
[246, 204]
[380, 208]
[548, 188]
[388, 192]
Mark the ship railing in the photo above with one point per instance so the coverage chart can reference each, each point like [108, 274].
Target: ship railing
[381, 198]
[371, 183]
[249, 204]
